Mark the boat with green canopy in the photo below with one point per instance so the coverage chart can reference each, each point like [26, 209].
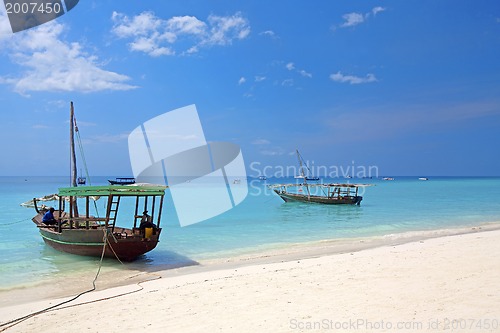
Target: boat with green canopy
[332, 194]
[86, 231]
[77, 231]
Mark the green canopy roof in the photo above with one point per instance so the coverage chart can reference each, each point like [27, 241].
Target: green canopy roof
[123, 190]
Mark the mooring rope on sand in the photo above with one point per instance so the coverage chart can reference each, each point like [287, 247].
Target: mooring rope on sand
[14, 322]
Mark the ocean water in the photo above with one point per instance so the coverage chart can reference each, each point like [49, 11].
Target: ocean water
[262, 222]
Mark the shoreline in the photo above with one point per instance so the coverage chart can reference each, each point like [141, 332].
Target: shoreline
[118, 276]
[72, 284]
[427, 283]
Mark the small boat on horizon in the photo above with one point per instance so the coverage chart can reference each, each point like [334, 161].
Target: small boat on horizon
[81, 180]
[423, 178]
[122, 181]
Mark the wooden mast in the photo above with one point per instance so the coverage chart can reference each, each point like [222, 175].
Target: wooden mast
[73, 155]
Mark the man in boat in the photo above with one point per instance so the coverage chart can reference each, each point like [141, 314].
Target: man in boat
[146, 221]
[48, 217]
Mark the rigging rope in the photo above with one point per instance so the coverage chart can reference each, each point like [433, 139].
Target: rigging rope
[82, 154]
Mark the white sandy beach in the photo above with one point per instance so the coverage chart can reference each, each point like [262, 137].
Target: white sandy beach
[449, 283]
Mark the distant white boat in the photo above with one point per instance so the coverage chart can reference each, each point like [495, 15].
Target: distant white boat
[262, 177]
[387, 178]
[423, 178]
[237, 181]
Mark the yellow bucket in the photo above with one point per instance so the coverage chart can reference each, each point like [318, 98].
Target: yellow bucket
[148, 232]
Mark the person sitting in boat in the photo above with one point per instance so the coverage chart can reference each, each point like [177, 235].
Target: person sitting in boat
[146, 221]
[48, 217]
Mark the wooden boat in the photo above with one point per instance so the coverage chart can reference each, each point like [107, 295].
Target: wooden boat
[82, 233]
[122, 181]
[331, 194]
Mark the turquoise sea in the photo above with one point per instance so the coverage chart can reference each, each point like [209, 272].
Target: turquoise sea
[261, 222]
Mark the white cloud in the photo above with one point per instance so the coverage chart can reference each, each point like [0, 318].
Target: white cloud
[149, 46]
[189, 25]
[269, 33]
[242, 80]
[5, 30]
[287, 83]
[140, 25]
[49, 63]
[377, 10]
[291, 66]
[352, 19]
[339, 77]
[259, 78]
[305, 74]
[226, 28]
[261, 142]
[156, 36]
[277, 151]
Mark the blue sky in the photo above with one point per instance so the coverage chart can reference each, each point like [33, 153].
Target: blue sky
[412, 87]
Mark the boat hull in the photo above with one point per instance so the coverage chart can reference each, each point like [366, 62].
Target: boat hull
[89, 242]
[122, 181]
[348, 200]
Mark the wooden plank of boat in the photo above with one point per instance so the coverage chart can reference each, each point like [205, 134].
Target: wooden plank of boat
[90, 243]
[355, 200]
[346, 200]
